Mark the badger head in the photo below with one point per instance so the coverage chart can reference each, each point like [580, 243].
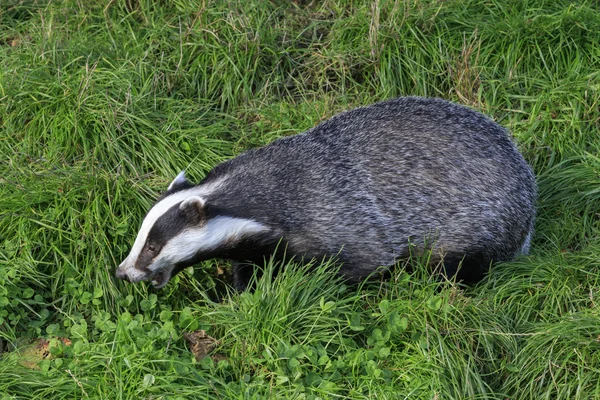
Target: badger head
[178, 232]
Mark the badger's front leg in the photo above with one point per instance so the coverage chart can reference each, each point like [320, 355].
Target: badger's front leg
[241, 275]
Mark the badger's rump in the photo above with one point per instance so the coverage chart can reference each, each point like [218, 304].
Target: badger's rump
[368, 183]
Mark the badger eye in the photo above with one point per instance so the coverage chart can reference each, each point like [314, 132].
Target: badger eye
[151, 248]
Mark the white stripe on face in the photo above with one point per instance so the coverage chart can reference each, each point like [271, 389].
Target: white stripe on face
[187, 244]
[154, 214]
[214, 234]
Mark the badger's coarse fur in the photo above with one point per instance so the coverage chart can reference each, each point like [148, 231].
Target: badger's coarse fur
[364, 187]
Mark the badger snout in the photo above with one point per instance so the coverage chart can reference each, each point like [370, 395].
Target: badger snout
[122, 274]
[128, 273]
[158, 278]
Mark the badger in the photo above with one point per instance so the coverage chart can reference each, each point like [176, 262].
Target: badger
[366, 187]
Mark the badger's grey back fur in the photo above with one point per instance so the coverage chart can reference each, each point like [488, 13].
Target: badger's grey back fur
[368, 182]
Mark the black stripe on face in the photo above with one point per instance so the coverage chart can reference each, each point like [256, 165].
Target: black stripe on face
[166, 227]
[169, 225]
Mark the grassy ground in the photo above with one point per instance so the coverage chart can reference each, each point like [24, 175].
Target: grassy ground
[103, 102]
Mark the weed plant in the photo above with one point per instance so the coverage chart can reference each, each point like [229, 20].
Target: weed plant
[103, 103]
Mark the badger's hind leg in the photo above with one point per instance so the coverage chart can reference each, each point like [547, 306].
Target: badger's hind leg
[469, 268]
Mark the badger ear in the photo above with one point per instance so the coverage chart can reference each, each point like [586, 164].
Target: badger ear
[179, 181]
[193, 207]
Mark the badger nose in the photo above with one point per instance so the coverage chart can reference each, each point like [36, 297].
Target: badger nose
[121, 274]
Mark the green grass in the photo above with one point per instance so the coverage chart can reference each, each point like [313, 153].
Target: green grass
[103, 103]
